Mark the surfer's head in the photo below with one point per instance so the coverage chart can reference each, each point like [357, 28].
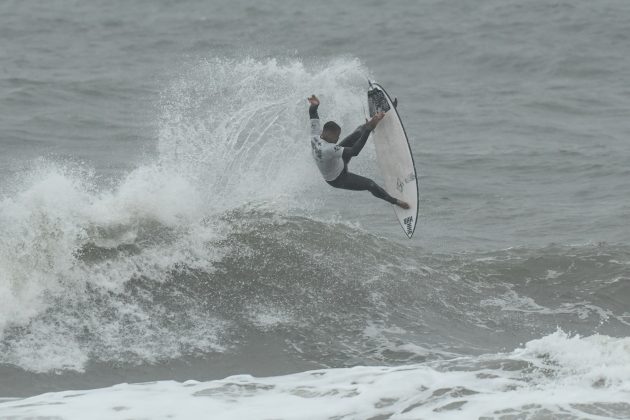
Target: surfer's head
[331, 132]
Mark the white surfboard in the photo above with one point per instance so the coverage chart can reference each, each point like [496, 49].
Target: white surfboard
[394, 157]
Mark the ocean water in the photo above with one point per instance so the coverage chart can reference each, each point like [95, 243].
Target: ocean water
[168, 248]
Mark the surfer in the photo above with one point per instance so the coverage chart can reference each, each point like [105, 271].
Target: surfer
[332, 158]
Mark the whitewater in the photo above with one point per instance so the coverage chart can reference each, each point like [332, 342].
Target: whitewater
[553, 377]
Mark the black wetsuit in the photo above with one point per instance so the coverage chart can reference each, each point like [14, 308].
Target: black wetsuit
[352, 146]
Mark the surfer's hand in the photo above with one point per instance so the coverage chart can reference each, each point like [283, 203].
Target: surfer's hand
[375, 120]
[313, 100]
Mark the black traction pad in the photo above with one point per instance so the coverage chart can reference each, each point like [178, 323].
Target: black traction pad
[377, 101]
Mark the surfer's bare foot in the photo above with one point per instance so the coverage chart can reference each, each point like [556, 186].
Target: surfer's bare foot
[402, 204]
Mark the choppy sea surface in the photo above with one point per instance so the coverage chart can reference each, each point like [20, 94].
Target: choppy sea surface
[169, 250]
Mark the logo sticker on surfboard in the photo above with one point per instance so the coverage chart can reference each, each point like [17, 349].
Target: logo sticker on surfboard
[408, 221]
[399, 185]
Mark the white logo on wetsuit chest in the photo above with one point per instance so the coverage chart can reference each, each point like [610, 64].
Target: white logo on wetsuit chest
[316, 149]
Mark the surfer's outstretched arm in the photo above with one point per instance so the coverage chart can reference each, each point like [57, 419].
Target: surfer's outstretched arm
[363, 133]
[352, 138]
[366, 129]
[312, 112]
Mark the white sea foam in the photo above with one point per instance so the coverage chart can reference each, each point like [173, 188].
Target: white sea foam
[44, 229]
[239, 125]
[576, 377]
[513, 302]
[231, 136]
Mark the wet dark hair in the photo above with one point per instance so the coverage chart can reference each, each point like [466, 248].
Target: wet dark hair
[332, 126]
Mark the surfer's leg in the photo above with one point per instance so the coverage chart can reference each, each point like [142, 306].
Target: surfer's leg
[354, 182]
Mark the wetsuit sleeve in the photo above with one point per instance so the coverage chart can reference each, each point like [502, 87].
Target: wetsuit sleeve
[358, 146]
[316, 128]
[312, 112]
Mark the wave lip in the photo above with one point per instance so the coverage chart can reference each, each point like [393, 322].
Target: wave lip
[557, 375]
